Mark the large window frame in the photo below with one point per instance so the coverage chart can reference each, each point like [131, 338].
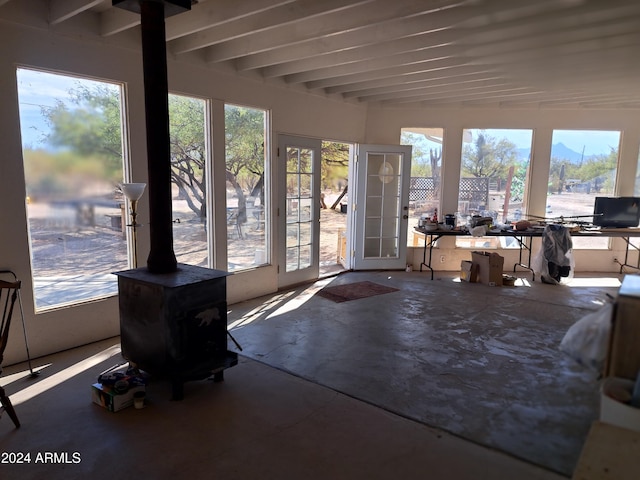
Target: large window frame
[247, 197]
[583, 164]
[425, 185]
[494, 181]
[190, 163]
[74, 165]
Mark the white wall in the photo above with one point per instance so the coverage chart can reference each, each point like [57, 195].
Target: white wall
[384, 126]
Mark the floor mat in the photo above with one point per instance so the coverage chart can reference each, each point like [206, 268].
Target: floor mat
[354, 291]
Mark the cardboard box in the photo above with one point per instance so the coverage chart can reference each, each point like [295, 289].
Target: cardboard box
[468, 271]
[108, 398]
[490, 266]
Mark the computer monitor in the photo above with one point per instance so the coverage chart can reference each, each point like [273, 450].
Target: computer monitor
[616, 212]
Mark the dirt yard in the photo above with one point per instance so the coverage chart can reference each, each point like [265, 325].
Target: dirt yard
[58, 241]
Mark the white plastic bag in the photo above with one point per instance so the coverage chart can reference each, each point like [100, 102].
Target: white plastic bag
[555, 251]
[587, 340]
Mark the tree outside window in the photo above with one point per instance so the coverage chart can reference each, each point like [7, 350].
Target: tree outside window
[72, 152]
[494, 179]
[246, 208]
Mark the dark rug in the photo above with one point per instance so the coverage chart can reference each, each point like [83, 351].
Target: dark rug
[354, 291]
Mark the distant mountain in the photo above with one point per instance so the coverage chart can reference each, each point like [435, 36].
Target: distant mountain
[562, 152]
[559, 151]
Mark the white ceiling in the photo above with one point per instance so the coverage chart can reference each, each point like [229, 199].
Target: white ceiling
[506, 53]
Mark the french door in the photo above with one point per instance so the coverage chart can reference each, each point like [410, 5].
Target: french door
[379, 206]
[298, 209]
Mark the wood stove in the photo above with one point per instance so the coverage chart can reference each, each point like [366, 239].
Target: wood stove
[174, 325]
[173, 317]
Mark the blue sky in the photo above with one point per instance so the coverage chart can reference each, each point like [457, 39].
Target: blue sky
[593, 141]
[36, 90]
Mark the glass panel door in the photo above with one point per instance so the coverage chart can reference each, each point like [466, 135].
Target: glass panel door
[381, 206]
[300, 210]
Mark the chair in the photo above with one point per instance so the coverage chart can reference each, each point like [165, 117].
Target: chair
[8, 296]
[234, 220]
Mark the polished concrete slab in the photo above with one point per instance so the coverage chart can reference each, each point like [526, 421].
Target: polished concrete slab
[477, 361]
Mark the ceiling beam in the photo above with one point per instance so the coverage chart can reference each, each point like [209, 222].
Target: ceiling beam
[448, 74]
[338, 30]
[446, 84]
[482, 86]
[258, 22]
[312, 54]
[213, 14]
[454, 98]
[564, 20]
[573, 40]
[201, 16]
[387, 66]
[385, 73]
[374, 63]
[116, 20]
[561, 97]
[61, 10]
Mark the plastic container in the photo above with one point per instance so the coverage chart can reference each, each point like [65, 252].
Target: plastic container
[615, 411]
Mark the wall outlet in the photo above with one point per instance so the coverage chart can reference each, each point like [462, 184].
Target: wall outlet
[442, 258]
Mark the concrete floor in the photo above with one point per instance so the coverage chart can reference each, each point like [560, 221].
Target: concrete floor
[477, 361]
[370, 383]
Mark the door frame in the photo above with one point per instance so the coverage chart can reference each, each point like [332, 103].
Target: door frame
[311, 272]
[357, 207]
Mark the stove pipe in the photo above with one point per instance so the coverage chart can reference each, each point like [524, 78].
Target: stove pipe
[161, 258]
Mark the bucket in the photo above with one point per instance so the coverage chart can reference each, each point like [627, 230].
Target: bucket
[613, 409]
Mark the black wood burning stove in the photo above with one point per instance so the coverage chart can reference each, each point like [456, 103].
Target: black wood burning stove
[174, 325]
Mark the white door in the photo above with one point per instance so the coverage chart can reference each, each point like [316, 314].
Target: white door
[298, 209]
[379, 206]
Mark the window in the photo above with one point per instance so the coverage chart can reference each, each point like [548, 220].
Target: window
[246, 211]
[494, 181]
[300, 177]
[188, 182]
[425, 184]
[583, 167]
[72, 150]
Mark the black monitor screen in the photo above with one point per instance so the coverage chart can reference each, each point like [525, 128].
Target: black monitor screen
[618, 212]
